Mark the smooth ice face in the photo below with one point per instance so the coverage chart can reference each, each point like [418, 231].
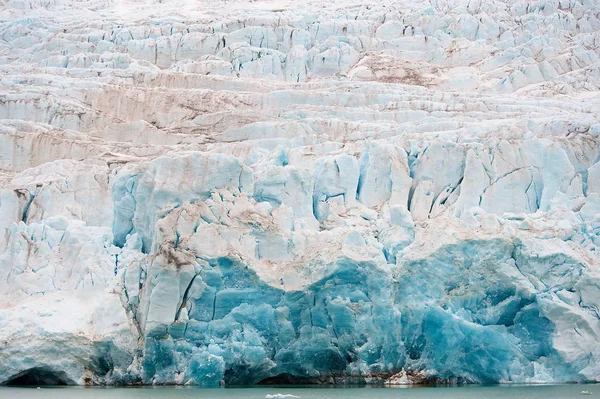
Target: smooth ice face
[239, 193]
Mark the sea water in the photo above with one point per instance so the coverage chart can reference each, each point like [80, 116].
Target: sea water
[320, 392]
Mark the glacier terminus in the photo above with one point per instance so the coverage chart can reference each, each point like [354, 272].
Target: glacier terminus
[231, 192]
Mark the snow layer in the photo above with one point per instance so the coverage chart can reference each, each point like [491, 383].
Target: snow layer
[237, 192]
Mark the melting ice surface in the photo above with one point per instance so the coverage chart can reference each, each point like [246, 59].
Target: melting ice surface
[227, 192]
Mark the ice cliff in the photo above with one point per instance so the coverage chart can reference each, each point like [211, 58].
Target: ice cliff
[234, 192]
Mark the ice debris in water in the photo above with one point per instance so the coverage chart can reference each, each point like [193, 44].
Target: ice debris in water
[280, 396]
[394, 192]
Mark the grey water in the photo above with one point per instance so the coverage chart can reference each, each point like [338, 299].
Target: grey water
[321, 392]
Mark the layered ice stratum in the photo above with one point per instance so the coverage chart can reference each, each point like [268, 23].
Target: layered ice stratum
[237, 192]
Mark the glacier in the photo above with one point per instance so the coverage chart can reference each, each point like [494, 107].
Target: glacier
[236, 192]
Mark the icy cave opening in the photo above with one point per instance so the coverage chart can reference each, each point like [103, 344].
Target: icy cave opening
[39, 376]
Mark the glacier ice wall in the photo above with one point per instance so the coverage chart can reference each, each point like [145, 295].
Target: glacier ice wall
[239, 193]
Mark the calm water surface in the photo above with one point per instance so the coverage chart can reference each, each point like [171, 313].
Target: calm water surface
[479, 392]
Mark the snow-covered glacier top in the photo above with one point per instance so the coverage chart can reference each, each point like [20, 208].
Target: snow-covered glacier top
[234, 192]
